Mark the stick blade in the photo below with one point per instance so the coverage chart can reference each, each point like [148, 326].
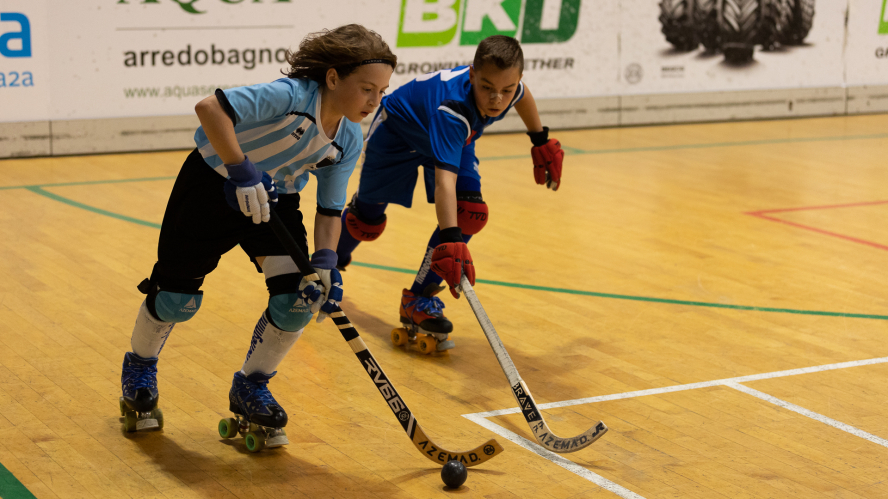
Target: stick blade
[439, 455]
[560, 445]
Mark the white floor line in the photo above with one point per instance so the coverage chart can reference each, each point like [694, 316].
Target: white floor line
[480, 418]
[555, 458]
[813, 415]
[690, 386]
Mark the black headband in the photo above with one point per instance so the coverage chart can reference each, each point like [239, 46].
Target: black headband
[374, 61]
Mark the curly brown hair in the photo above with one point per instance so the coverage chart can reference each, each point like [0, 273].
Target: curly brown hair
[342, 49]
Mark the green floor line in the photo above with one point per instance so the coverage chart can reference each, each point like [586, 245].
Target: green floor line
[71, 202]
[89, 182]
[641, 298]
[678, 147]
[11, 488]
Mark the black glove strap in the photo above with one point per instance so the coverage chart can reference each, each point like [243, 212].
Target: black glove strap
[539, 138]
[451, 235]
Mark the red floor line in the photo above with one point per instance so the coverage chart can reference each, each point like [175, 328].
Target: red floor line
[824, 207]
[821, 231]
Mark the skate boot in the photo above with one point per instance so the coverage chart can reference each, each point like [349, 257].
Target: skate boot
[138, 405]
[424, 314]
[257, 415]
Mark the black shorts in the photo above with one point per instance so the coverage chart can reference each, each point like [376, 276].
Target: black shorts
[199, 226]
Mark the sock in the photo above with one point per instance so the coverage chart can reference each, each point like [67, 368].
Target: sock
[268, 347]
[149, 334]
[425, 276]
[347, 243]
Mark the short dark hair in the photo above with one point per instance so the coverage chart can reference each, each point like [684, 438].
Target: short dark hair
[503, 51]
[342, 49]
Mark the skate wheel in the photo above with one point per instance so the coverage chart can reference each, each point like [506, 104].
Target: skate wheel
[427, 344]
[400, 336]
[228, 427]
[130, 420]
[255, 441]
[123, 407]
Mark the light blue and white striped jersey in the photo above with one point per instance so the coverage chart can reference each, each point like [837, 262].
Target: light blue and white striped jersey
[276, 127]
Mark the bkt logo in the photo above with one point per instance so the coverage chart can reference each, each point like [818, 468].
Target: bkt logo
[883, 20]
[429, 23]
[15, 43]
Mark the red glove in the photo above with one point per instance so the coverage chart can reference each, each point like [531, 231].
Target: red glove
[547, 158]
[450, 261]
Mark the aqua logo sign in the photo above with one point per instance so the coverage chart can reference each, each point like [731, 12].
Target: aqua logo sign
[15, 43]
[430, 23]
[190, 7]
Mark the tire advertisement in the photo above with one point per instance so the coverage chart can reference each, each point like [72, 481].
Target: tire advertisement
[99, 59]
[726, 45]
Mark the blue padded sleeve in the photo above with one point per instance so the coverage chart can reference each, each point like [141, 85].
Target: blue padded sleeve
[448, 131]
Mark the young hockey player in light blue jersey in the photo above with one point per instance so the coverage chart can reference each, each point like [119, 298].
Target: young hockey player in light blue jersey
[256, 149]
[433, 122]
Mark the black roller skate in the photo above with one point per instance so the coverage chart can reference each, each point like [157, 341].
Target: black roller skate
[257, 415]
[138, 405]
[424, 314]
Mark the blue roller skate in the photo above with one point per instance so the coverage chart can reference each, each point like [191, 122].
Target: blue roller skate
[257, 415]
[138, 405]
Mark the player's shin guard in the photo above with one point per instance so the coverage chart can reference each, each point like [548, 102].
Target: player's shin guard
[269, 346]
[149, 334]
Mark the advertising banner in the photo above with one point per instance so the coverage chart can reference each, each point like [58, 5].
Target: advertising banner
[866, 56]
[25, 76]
[728, 45]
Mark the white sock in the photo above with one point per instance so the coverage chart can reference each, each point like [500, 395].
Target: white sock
[268, 347]
[149, 334]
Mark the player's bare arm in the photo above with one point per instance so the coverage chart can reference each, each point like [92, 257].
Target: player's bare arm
[445, 198]
[527, 110]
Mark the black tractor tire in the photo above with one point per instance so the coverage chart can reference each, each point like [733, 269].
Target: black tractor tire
[776, 16]
[800, 22]
[677, 20]
[706, 24]
[740, 23]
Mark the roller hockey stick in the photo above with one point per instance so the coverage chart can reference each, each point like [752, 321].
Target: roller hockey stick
[534, 418]
[423, 443]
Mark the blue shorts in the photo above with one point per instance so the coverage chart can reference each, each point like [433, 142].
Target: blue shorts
[391, 168]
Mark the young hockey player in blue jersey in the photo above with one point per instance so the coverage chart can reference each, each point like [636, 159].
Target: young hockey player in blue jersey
[433, 122]
[255, 150]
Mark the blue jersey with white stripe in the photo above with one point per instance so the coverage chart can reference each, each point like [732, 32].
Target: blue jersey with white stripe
[438, 114]
[276, 127]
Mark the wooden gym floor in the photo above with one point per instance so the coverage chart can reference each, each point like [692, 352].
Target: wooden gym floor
[714, 293]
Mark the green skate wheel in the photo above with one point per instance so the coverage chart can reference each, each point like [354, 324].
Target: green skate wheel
[123, 407]
[255, 441]
[129, 421]
[228, 428]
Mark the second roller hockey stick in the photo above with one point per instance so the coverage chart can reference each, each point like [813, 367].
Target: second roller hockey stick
[532, 415]
[421, 441]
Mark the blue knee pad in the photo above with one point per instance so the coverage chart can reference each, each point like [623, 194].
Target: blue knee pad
[176, 307]
[288, 311]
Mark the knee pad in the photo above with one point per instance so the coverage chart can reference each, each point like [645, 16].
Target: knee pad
[362, 228]
[286, 309]
[170, 304]
[471, 212]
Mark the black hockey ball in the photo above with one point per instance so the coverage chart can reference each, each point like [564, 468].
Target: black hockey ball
[454, 474]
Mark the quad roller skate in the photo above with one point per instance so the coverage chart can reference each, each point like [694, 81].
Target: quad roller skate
[257, 416]
[138, 405]
[424, 323]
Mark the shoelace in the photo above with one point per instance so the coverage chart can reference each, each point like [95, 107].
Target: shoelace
[260, 394]
[141, 376]
[431, 306]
